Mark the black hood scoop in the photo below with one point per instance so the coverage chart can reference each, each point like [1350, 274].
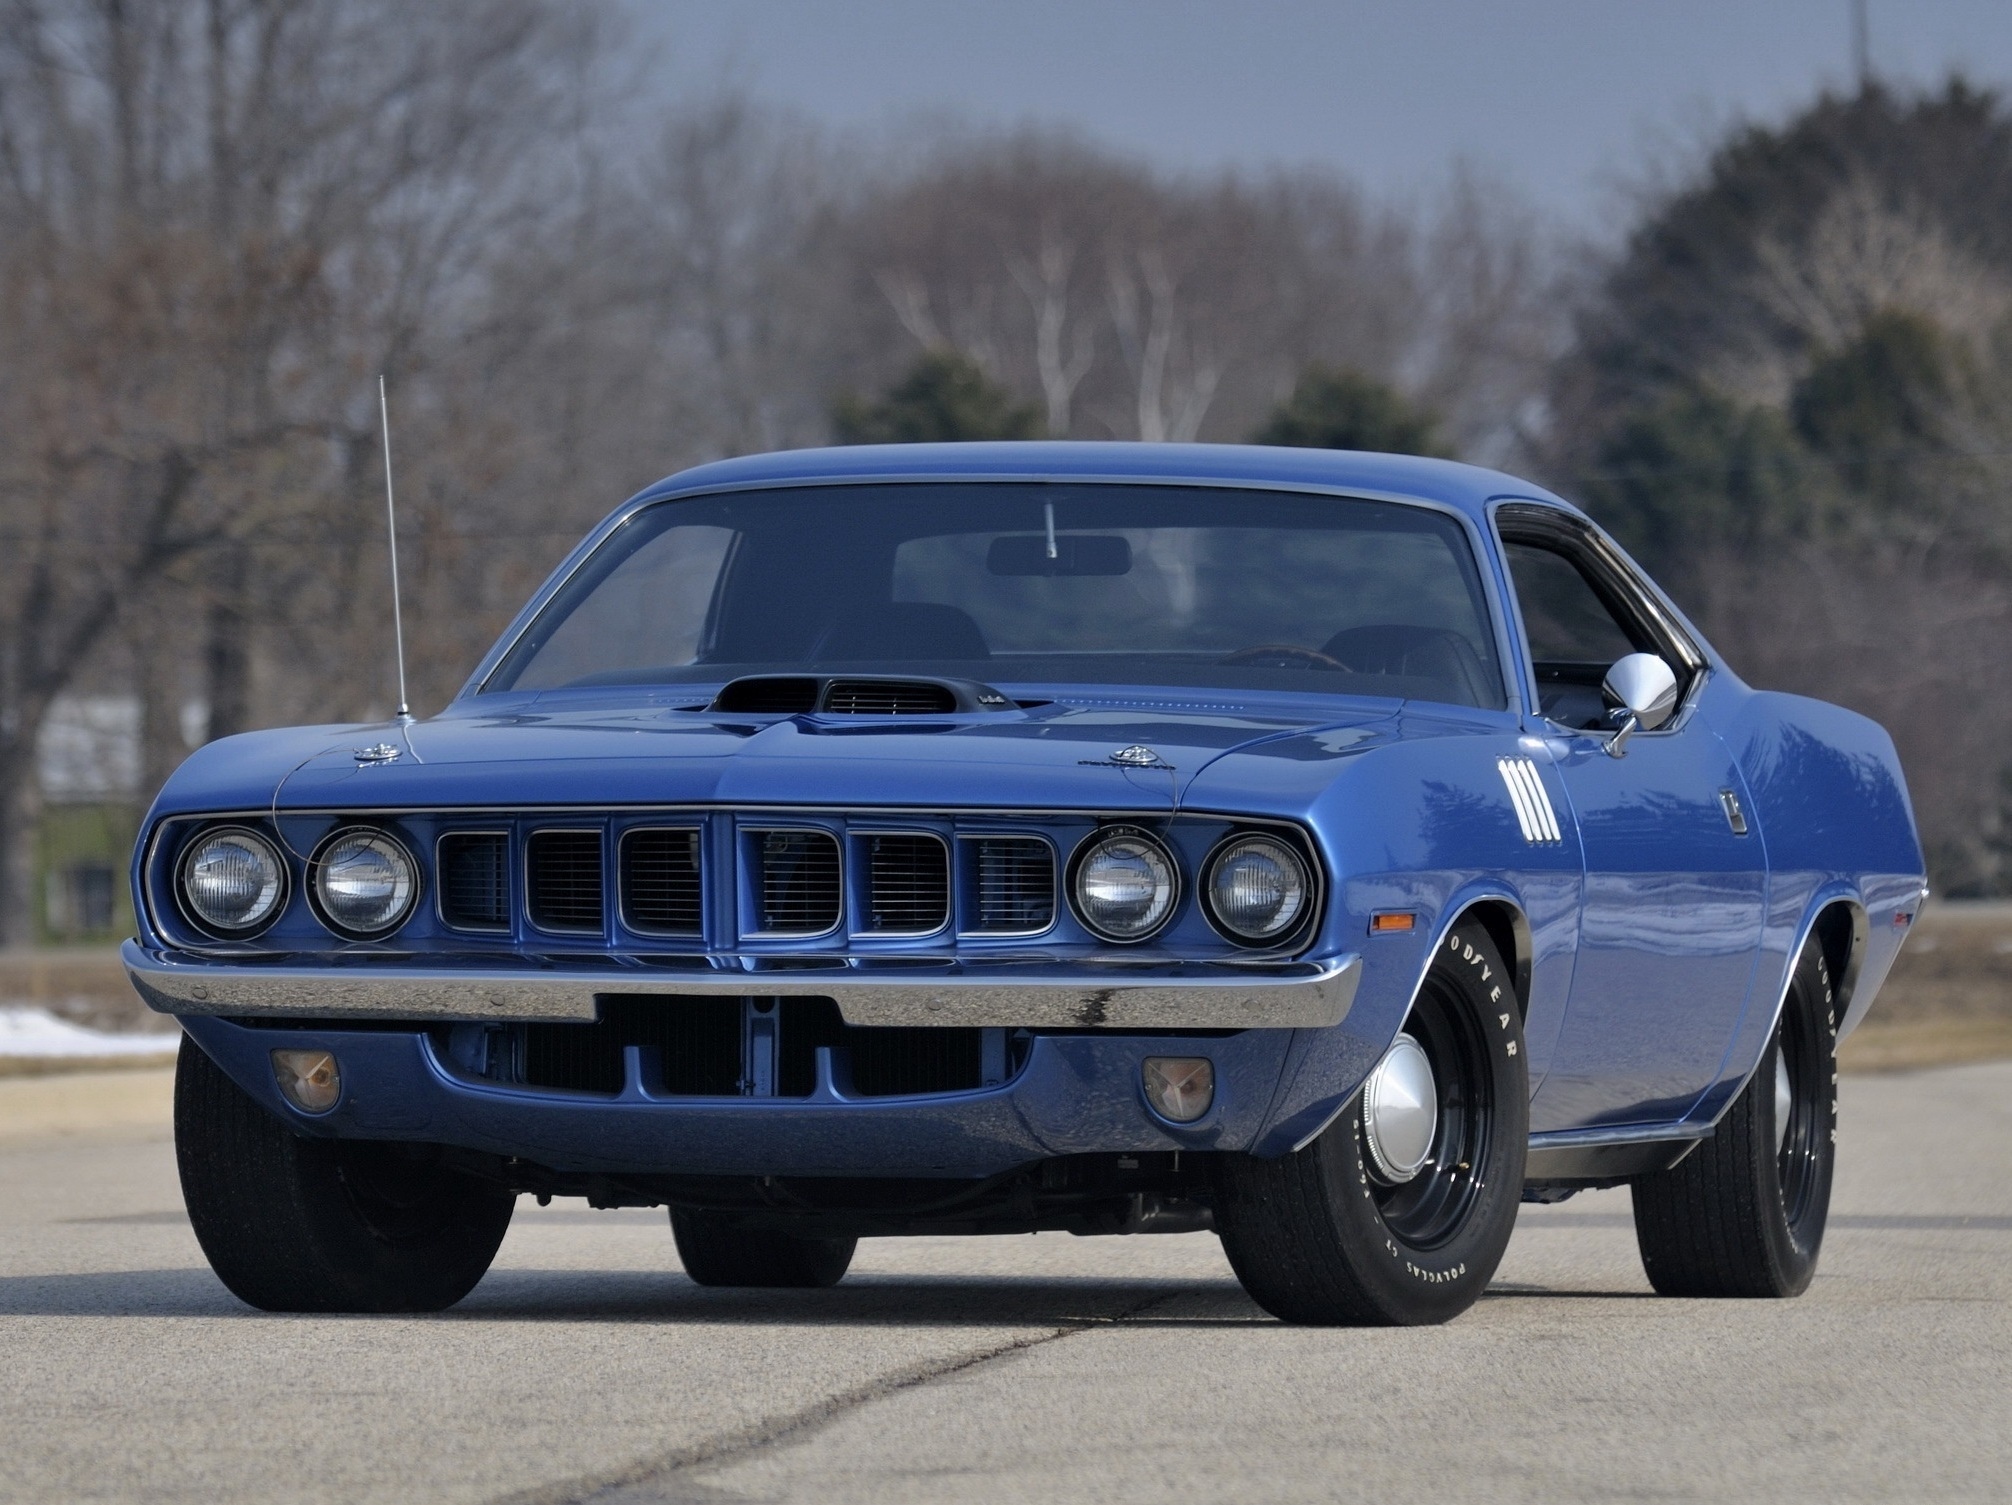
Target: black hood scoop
[856, 695]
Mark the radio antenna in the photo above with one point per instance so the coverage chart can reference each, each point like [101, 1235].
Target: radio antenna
[391, 529]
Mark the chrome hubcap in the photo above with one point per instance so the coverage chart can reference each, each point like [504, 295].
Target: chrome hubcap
[1400, 1110]
[1784, 1098]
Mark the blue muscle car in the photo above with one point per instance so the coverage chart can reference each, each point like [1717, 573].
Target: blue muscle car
[1328, 849]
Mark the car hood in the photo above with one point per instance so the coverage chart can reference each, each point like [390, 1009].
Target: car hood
[1056, 756]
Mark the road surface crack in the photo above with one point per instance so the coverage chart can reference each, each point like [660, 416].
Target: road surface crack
[797, 1426]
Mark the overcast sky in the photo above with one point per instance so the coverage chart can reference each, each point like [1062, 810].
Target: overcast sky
[1565, 98]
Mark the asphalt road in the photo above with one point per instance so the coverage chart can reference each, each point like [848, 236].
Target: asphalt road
[1047, 1368]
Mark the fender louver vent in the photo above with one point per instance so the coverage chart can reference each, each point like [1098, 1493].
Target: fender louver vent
[769, 695]
[800, 884]
[908, 883]
[660, 882]
[888, 697]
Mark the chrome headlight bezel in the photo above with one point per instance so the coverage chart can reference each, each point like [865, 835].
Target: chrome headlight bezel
[376, 836]
[1300, 919]
[275, 904]
[1168, 894]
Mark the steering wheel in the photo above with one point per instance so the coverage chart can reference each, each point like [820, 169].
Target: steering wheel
[1283, 656]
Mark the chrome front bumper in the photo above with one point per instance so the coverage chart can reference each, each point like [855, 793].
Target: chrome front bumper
[1304, 995]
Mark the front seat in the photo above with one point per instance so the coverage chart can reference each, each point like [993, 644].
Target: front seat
[1429, 653]
[902, 630]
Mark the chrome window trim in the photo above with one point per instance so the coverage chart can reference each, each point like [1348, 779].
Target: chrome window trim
[949, 884]
[743, 870]
[440, 887]
[1639, 594]
[621, 885]
[530, 921]
[1058, 900]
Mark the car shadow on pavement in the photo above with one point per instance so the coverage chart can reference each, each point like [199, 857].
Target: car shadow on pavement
[628, 1296]
[667, 1296]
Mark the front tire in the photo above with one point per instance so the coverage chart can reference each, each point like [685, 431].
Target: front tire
[1744, 1213]
[716, 1253]
[292, 1224]
[1332, 1234]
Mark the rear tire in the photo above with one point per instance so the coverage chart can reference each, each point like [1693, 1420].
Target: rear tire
[1325, 1236]
[1744, 1213]
[292, 1224]
[715, 1253]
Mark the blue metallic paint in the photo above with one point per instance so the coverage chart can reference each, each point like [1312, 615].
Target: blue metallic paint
[1645, 1019]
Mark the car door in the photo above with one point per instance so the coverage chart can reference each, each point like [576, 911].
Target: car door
[1675, 886]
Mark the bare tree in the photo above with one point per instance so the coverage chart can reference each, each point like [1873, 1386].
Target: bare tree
[216, 221]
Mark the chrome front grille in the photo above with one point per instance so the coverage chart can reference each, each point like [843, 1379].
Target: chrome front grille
[908, 884]
[475, 880]
[828, 877]
[563, 887]
[1015, 878]
[661, 890]
[800, 887]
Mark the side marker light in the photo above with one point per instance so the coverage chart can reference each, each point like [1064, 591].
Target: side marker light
[1392, 922]
[1179, 1088]
[309, 1079]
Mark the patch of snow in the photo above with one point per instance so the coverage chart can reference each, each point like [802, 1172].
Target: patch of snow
[31, 1031]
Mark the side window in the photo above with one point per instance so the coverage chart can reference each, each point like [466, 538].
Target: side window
[1564, 619]
[1574, 637]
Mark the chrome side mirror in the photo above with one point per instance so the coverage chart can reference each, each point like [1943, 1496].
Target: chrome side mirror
[1643, 691]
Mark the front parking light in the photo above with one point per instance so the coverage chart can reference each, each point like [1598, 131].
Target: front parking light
[309, 1079]
[1179, 1088]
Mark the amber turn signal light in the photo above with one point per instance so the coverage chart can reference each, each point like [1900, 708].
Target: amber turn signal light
[309, 1079]
[1180, 1089]
[1392, 922]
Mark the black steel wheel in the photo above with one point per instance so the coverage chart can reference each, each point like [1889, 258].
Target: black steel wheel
[715, 1252]
[1744, 1213]
[292, 1224]
[1399, 1213]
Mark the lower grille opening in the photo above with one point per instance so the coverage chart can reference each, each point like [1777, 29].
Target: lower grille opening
[697, 1047]
[697, 1041]
[886, 1062]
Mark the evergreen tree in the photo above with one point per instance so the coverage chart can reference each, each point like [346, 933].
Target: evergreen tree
[944, 396]
[1331, 409]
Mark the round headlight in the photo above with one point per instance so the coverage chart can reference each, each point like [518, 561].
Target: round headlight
[1258, 888]
[233, 881]
[364, 882]
[1126, 884]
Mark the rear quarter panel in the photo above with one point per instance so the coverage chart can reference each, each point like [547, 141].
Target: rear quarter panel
[1830, 802]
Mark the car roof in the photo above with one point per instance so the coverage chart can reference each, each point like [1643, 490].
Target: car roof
[1466, 487]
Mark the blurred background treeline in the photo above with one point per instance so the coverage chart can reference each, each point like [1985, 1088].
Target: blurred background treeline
[1784, 379]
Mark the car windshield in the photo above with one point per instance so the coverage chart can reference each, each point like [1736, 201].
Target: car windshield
[1027, 585]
